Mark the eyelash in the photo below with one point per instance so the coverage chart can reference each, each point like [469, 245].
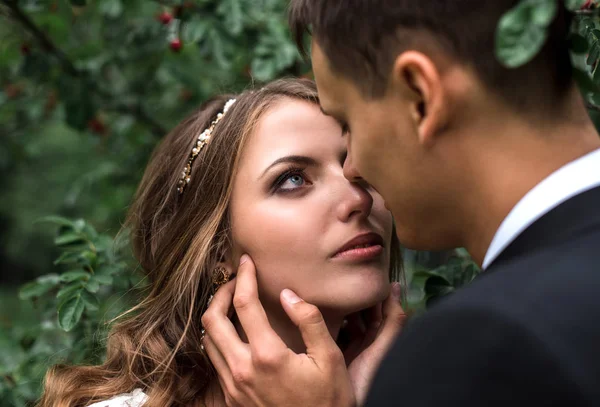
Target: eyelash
[292, 170]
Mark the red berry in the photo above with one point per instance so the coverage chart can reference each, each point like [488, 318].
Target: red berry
[176, 45]
[165, 17]
[13, 91]
[96, 126]
[587, 5]
[25, 49]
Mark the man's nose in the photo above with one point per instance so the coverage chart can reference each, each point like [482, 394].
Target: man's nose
[350, 171]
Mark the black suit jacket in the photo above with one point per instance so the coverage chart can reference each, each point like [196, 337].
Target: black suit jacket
[526, 332]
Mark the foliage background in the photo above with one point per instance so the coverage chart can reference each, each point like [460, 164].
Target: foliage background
[87, 88]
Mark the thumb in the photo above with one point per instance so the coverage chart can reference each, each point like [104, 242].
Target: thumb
[309, 320]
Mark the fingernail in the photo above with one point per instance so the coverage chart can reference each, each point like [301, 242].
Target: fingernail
[244, 259]
[290, 296]
[396, 290]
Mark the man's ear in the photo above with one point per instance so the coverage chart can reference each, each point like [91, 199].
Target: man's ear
[419, 78]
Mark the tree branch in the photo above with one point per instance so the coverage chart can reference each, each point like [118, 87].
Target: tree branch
[42, 38]
[67, 65]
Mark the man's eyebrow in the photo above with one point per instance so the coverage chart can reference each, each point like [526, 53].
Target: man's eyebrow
[323, 111]
[295, 159]
[334, 117]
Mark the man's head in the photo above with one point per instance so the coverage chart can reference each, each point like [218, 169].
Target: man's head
[413, 81]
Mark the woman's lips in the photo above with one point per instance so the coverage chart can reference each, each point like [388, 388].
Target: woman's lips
[361, 253]
[363, 247]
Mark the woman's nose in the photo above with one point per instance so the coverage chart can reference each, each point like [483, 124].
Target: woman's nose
[356, 201]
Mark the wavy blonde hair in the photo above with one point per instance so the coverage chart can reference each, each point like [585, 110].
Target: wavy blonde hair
[178, 239]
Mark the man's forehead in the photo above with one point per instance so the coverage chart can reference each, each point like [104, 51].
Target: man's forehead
[329, 85]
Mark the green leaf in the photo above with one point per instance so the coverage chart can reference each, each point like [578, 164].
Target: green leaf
[194, 31]
[58, 220]
[92, 285]
[38, 287]
[68, 290]
[88, 258]
[104, 243]
[90, 231]
[574, 5]
[544, 12]
[90, 301]
[232, 12]
[522, 31]
[437, 285]
[263, 69]
[78, 225]
[67, 258]
[595, 99]
[67, 238]
[70, 312]
[102, 279]
[594, 53]
[111, 8]
[74, 275]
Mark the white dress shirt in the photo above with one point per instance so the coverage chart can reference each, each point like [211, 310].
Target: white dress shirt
[572, 179]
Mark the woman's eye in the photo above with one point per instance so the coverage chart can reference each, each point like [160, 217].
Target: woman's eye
[292, 181]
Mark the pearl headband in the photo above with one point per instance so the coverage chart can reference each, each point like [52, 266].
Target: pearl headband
[203, 139]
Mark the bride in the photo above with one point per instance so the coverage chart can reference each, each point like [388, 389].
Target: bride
[259, 173]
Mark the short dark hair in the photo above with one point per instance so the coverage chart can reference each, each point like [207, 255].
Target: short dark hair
[362, 38]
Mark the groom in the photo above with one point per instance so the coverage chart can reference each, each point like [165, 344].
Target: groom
[466, 153]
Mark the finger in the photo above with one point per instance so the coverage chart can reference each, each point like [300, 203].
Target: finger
[219, 327]
[313, 329]
[394, 319]
[224, 374]
[374, 318]
[217, 359]
[249, 309]
[224, 297]
[355, 331]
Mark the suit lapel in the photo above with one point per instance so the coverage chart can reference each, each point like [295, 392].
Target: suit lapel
[571, 218]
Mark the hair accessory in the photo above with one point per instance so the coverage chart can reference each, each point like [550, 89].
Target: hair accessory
[203, 139]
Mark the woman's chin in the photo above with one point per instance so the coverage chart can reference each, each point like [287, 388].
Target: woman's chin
[349, 303]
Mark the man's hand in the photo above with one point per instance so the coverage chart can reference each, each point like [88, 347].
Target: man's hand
[265, 372]
[372, 338]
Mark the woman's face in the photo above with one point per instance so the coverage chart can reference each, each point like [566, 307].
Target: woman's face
[307, 227]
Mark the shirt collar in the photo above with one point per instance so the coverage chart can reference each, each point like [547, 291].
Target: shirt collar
[572, 179]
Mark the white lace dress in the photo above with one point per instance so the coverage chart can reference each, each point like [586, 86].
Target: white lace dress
[136, 398]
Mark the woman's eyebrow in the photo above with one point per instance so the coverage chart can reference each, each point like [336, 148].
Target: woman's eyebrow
[296, 159]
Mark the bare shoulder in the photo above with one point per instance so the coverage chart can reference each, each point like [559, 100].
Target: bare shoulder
[136, 398]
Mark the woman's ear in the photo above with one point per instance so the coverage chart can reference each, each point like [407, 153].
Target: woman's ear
[223, 266]
[418, 80]
[224, 269]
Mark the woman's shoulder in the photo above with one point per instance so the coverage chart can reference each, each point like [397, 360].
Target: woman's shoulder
[134, 399]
